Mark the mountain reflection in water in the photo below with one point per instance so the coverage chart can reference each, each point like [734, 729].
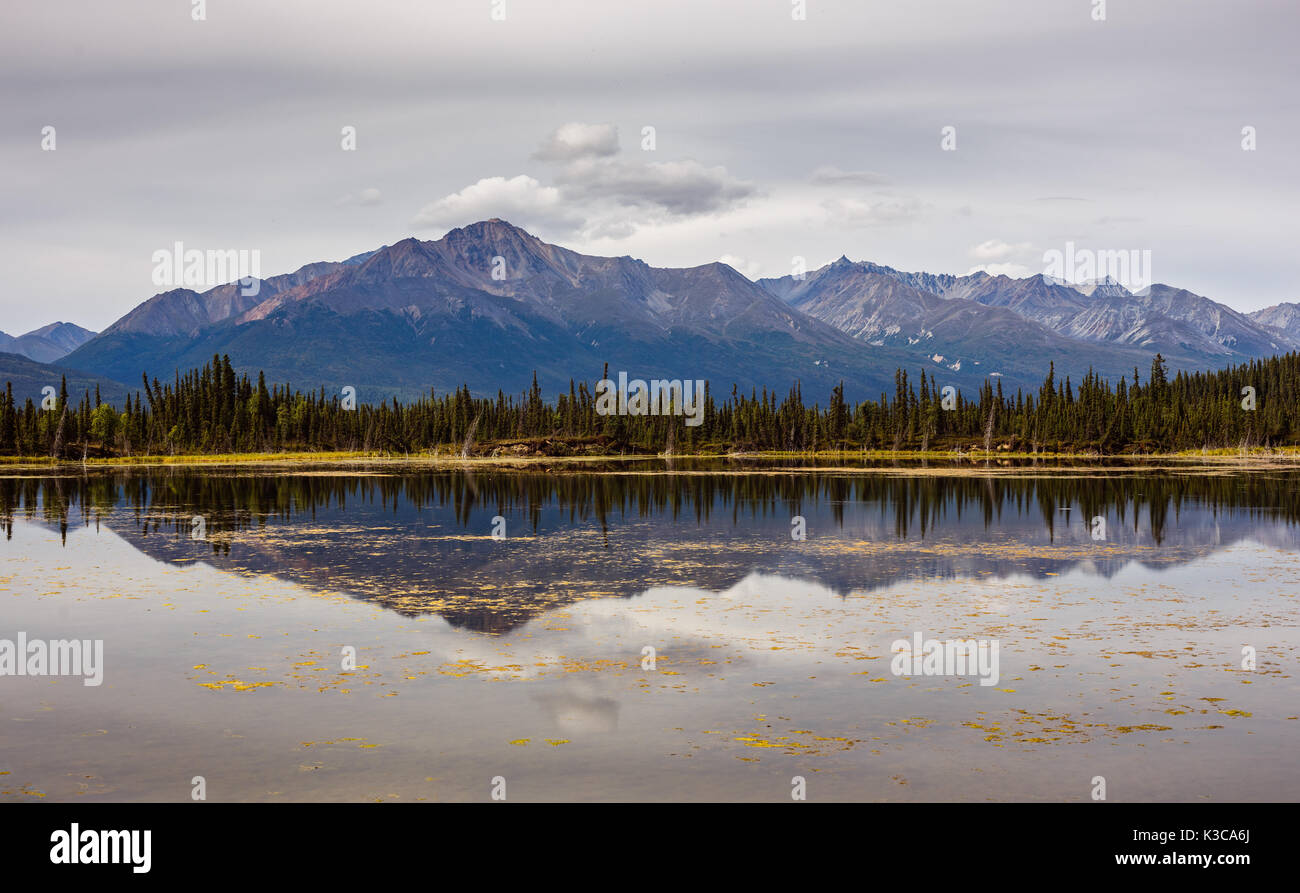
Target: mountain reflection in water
[420, 541]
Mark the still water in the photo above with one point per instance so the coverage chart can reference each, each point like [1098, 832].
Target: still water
[643, 631]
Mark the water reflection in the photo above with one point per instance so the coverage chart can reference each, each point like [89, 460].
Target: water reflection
[1120, 655]
[421, 541]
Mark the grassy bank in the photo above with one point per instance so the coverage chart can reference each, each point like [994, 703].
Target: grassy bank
[833, 458]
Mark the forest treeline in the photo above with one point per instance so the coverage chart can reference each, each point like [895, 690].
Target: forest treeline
[213, 411]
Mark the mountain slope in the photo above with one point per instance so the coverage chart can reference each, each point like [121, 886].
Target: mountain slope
[182, 311]
[1282, 318]
[488, 304]
[29, 378]
[419, 315]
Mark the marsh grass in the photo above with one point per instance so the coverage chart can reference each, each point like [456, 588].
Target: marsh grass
[952, 460]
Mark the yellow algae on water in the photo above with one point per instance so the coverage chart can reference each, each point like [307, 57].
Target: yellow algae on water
[237, 684]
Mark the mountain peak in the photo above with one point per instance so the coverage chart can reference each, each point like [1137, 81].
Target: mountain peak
[47, 344]
[493, 226]
[493, 232]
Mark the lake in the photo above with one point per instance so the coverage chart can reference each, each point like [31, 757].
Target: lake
[654, 630]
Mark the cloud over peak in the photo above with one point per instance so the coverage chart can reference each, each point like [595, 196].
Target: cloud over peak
[520, 199]
[596, 192]
[578, 140]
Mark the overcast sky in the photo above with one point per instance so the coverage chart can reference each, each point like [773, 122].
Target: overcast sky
[774, 137]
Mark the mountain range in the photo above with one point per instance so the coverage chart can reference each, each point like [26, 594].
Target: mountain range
[489, 304]
[48, 343]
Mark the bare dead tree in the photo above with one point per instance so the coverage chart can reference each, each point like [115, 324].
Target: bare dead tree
[469, 438]
[57, 450]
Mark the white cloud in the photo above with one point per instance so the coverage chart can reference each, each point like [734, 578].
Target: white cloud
[998, 250]
[522, 200]
[747, 268]
[578, 140]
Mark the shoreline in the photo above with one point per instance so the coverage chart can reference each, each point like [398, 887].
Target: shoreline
[873, 460]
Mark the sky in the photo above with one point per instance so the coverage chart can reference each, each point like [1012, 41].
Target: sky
[782, 133]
